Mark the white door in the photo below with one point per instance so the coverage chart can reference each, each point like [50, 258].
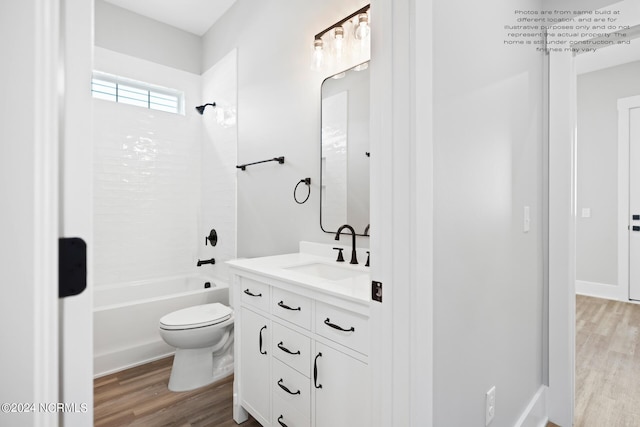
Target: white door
[634, 203]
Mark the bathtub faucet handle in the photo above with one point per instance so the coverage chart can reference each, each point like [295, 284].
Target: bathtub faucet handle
[211, 238]
[206, 261]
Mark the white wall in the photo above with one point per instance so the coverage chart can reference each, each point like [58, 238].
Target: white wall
[278, 115]
[488, 285]
[147, 185]
[597, 172]
[218, 164]
[127, 32]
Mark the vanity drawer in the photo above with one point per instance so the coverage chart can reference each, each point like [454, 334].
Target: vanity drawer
[292, 348]
[255, 293]
[291, 307]
[287, 415]
[291, 388]
[342, 326]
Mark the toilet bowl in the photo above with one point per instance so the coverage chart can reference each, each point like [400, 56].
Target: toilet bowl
[203, 338]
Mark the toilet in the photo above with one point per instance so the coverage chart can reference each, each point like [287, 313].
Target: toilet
[203, 338]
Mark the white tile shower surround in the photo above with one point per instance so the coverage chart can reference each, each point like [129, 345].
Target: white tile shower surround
[162, 180]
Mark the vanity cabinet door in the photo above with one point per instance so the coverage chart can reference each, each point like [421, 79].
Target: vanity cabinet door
[342, 389]
[255, 365]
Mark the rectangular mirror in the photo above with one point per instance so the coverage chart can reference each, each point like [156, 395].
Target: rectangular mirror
[344, 172]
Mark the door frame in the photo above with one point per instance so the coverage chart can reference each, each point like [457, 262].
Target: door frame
[76, 205]
[401, 358]
[561, 239]
[624, 107]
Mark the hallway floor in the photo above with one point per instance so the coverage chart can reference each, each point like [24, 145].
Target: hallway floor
[139, 397]
[607, 363]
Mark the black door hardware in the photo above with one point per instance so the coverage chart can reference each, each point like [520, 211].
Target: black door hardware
[334, 326]
[315, 371]
[282, 386]
[376, 291]
[248, 292]
[72, 266]
[260, 343]
[280, 421]
[286, 307]
[286, 350]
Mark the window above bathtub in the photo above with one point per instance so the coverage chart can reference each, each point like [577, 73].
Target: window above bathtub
[132, 92]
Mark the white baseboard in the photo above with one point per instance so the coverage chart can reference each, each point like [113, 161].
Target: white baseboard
[601, 290]
[108, 363]
[535, 415]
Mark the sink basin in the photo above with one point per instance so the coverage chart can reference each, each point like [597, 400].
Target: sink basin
[326, 271]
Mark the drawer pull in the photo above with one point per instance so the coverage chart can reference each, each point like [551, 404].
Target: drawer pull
[286, 307]
[315, 371]
[248, 292]
[282, 386]
[280, 422]
[334, 326]
[260, 341]
[285, 349]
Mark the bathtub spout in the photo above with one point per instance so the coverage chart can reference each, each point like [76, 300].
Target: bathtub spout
[206, 261]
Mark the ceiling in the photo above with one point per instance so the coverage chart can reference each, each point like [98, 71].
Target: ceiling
[193, 16]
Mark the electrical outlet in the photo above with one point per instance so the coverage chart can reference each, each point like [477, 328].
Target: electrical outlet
[490, 411]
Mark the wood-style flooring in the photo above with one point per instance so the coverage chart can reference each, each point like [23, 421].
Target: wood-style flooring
[139, 397]
[607, 363]
[607, 380]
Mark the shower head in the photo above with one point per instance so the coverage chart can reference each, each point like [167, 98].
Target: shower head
[200, 108]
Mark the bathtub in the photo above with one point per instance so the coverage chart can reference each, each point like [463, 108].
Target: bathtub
[125, 318]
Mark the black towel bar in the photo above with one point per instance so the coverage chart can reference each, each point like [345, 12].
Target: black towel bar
[275, 159]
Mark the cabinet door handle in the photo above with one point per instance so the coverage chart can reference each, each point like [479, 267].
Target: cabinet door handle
[334, 326]
[286, 350]
[282, 386]
[315, 371]
[280, 422]
[248, 292]
[283, 305]
[262, 329]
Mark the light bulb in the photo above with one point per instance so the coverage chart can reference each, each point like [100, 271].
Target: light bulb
[318, 54]
[338, 34]
[362, 27]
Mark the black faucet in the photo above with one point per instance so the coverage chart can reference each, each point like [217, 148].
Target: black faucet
[354, 260]
[207, 261]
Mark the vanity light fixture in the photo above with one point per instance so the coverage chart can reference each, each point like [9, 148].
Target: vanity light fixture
[340, 38]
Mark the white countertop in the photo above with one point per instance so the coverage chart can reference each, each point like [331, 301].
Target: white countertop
[356, 289]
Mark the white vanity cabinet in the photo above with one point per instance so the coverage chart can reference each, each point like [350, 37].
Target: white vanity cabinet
[315, 372]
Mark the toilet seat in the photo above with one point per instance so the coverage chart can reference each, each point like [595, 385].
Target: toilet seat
[198, 316]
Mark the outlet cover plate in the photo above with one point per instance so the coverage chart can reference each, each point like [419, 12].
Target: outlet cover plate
[490, 411]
